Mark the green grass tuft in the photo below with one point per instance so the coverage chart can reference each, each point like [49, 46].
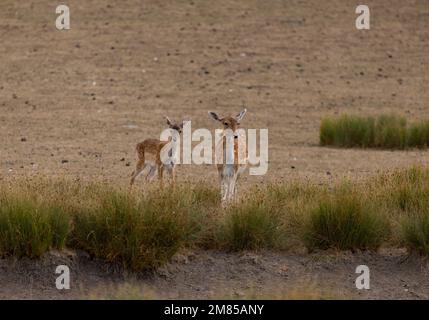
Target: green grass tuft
[415, 231]
[345, 221]
[384, 131]
[418, 135]
[253, 224]
[347, 131]
[28, 229]
[140, 233]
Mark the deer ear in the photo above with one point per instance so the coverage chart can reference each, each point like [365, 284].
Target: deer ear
[241, 114]
[214, 116]
[168, 121]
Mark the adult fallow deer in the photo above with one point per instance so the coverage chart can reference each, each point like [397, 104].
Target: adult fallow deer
[233, 155]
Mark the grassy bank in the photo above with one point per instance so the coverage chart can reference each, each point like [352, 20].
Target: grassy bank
[143, 230]
[384, 131]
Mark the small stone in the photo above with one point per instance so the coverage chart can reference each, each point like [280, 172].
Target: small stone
[180, 258]
[283, 270]
[64, 161]
[239, 293]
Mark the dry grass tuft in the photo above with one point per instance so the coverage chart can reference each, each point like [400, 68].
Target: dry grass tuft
[143, 230]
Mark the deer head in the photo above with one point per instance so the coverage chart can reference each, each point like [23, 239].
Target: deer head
[174, 125]
[229, 122]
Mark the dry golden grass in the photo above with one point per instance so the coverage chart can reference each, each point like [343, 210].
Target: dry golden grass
[143, 230]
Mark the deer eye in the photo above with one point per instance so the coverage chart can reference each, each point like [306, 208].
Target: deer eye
[225, 123]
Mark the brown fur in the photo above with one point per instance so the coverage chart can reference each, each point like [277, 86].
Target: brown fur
[153, 147]
[232, 123]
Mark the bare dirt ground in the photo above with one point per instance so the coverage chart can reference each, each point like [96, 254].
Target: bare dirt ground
[219, 275]
[88, 95]
[76, 102]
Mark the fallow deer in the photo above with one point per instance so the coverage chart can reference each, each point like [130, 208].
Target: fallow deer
[236, 151]
[149, 154]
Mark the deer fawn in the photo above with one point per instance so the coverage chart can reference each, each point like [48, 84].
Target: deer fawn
[229, 172]
[149, 153]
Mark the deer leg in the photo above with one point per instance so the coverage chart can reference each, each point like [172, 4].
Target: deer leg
[224, 190]
[160, 174]
[151, 173]
[231, 188]
[137, 171]
[173, 177]
[234, 188]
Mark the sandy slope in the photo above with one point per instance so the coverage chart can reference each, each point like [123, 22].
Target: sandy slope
[209, 274]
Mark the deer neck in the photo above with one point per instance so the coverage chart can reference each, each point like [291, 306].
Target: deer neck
[230, 150]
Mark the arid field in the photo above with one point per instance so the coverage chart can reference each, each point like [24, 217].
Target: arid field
[74, 103]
